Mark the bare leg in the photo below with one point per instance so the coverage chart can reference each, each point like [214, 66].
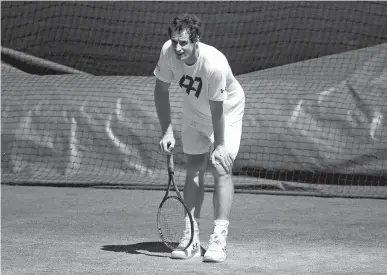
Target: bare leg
[193, 199]
[222, 200]
[223, 195]
[194, 183]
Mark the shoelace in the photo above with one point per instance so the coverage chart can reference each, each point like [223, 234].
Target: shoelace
[214, 241]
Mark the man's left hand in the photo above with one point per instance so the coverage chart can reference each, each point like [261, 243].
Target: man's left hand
[220, 156]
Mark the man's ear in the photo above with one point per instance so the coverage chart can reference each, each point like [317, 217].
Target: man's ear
[196, 39]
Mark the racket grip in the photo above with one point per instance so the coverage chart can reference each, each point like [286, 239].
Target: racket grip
[171, 167]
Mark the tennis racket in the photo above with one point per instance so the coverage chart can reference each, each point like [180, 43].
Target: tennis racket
[173, 218]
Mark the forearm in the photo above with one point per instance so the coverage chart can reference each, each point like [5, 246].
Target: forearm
[218, 123]
[163, 110]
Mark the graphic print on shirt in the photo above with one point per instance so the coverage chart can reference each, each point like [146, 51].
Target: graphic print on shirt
[189, 84]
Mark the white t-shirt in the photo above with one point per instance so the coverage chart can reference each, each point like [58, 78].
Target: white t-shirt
[210, 78]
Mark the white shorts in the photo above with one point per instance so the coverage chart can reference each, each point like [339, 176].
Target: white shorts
[199, 139]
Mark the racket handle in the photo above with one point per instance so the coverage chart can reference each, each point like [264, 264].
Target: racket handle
[171, 167]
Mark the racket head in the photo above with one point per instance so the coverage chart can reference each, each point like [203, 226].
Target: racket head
[173, 220]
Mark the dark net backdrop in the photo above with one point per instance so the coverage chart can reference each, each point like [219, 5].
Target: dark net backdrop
[77, 93]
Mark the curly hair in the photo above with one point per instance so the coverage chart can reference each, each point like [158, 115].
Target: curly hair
[189, 22]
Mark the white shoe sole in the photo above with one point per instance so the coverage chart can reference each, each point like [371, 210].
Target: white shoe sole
[213, 260]
[211, 257]
[183, 255]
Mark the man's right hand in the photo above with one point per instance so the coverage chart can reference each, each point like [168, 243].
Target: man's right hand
[167, 143]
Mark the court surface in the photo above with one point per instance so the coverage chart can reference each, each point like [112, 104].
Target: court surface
[48, 230]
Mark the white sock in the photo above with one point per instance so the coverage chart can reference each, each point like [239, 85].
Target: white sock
[220, 226]
[196, 223]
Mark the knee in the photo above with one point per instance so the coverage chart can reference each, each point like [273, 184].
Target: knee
[193, 171]
[223, 180]
[195, 165]
[219, 173]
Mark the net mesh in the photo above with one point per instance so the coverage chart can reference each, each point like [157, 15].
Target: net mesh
[125, 37]
[77, 93]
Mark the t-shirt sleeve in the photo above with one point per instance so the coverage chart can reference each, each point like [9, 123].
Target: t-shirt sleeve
[217, 86]
[163, 70]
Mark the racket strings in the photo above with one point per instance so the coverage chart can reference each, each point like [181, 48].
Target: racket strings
[174, 223]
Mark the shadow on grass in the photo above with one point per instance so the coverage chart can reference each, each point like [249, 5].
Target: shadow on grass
[154, 249]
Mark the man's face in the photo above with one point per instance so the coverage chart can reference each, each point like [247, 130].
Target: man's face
[182, 45]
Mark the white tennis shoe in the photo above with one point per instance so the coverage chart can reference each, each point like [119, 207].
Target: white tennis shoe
[194, 250]
[216, 251]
